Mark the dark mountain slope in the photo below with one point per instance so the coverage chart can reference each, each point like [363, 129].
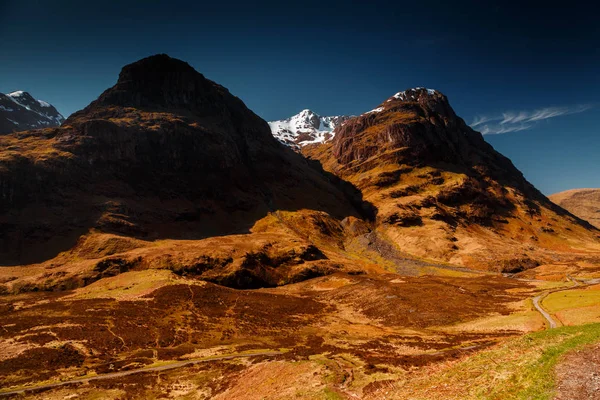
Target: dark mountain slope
[165, 153]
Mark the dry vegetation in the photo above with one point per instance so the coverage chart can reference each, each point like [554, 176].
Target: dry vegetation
[341, 336]
[446, 216]
[143, 318]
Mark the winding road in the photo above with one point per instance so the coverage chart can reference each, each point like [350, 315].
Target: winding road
[111, 375]
[536, 303]
[537, 300]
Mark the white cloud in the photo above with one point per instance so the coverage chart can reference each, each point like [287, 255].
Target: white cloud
[479, 120]
[514, 121]
[498, 129]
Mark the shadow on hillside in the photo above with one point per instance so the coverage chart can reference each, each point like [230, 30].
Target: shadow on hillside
[51, 220]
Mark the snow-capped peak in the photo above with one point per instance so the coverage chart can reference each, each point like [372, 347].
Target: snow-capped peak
[22, 112]
[406, 95]
[410, 93]
[306, 127]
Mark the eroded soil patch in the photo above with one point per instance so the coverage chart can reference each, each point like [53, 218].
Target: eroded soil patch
[578, 376]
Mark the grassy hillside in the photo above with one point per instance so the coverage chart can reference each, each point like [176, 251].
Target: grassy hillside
[521, 368]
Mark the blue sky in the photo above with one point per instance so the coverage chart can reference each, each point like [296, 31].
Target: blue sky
[529, 70]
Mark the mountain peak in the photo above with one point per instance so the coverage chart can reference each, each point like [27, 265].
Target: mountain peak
[19, 93]
[421, 95]
[307, 111]
[155, 67]
[418, 119]
[432, 102]
[160, 82]
[415, 94]
[24, 99]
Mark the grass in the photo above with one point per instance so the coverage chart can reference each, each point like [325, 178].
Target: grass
[575, 307]
[129, 285]
[524, 319]
[579, 316]
[550, 285]
[522, 368]
[575, 298]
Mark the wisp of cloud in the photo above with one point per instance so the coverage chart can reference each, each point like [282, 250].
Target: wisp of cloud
[519, 121]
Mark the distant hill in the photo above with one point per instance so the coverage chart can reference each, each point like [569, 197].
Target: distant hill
[584, 203]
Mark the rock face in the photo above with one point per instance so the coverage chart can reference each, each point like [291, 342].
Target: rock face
[305, 128]
[165, 153]
[584, 203]
[19, 111]
[441, 191]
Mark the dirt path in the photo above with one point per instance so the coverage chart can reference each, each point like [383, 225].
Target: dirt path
[112, 375]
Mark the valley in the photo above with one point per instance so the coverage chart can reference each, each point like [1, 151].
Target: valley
[347, 335]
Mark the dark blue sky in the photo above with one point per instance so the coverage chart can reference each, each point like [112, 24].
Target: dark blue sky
[529, 70]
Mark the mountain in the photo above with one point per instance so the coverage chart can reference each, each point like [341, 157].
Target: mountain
[19, 111]
[166, 154]
[585, 203]
[163, 154]
[134, 235]
[305, 128]
[442, 192]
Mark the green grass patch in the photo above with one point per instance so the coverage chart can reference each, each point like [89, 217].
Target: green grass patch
[537, 378]
[521, 368]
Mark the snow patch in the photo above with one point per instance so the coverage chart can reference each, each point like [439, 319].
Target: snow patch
[375, 110]
[411, 92]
